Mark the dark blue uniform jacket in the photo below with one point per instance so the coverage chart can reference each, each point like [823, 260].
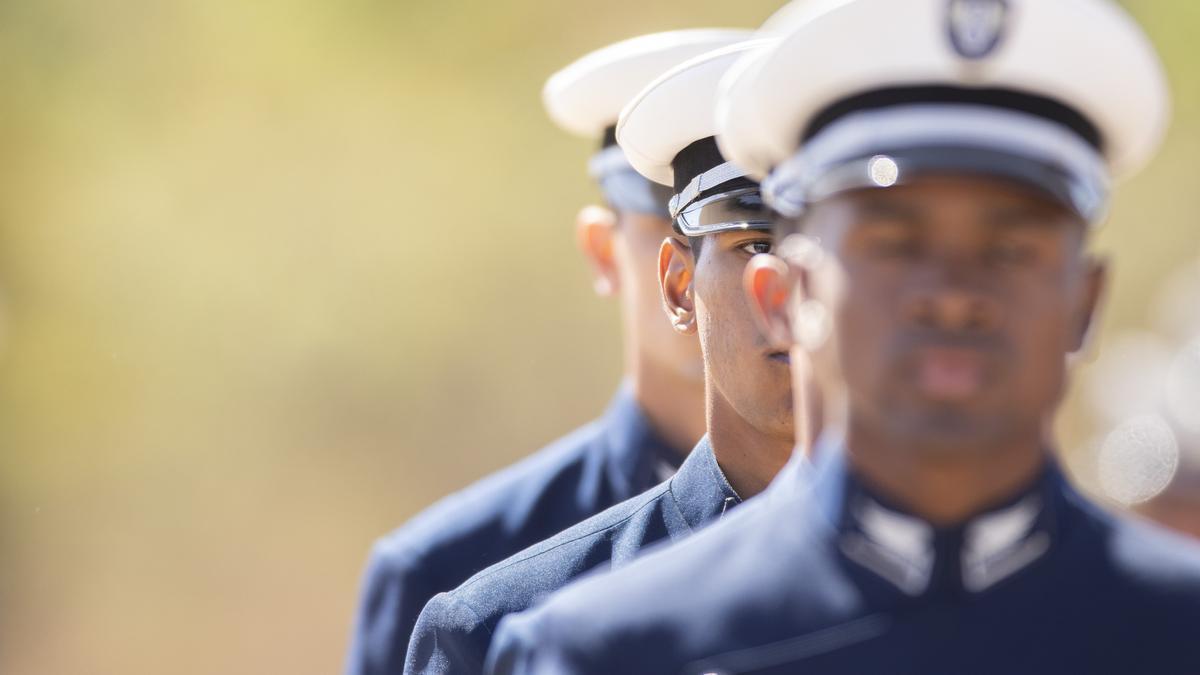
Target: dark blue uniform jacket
[455, 629]
[604, 463]
[834, 580]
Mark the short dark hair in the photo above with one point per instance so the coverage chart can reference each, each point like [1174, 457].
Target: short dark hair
[695, 243]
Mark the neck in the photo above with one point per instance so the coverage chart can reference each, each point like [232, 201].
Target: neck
[673, 403]
[944, 488]
[748, 456]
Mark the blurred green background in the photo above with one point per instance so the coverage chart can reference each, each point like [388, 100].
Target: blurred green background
[276, 274]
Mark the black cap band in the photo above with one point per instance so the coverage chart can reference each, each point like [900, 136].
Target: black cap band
[1004, 99]
[701, 157]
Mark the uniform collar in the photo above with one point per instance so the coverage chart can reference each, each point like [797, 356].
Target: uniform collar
[918, 558]
[638, 457]
[700, 489]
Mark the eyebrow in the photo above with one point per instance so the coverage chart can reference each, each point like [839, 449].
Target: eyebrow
[1026, 216]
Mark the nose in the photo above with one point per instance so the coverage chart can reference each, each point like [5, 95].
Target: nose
[954, 297]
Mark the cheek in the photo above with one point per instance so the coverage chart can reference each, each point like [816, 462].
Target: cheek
[1045, 307]
[1043, 327]
[723, 310]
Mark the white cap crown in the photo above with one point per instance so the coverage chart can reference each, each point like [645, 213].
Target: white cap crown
[676, 110]
[1087, 55]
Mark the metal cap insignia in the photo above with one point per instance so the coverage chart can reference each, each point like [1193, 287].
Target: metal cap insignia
[976, 27]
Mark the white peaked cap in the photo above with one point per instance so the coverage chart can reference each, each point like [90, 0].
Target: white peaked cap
[676, 110]
[586, 97]
[1087, 55]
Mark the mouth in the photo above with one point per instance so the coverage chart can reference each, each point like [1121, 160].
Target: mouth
[781, 357]
[951, 374]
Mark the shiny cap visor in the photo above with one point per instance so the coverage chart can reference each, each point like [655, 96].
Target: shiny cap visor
[741, 209]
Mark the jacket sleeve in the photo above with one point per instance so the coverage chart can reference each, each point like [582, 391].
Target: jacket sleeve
[395, 588]
[449, 639]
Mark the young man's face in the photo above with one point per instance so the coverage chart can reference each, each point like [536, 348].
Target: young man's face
[743, 369]
[954, 303]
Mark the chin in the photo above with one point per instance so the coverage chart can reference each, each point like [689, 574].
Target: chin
[949, 430]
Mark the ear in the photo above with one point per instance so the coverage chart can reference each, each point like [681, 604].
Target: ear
[595, 227]
[768, 285]
[1096, 285]
[676, 270]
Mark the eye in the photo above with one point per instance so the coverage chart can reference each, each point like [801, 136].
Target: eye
[887, 238]
[756, 247]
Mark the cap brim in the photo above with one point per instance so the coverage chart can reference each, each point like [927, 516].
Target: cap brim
[904, 167]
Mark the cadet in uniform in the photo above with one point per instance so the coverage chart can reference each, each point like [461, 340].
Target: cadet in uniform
[656, 416]
[940, 165]
[667, 134]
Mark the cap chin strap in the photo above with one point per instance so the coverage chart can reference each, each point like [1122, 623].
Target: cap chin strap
[715, 176]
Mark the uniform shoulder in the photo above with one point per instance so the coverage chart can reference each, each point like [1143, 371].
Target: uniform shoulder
[714, 549]
[1148, 554]
[498, 501]
[1146, 569]
[621, 621]
[1152, 592]
[517, 581]
[646, 616]
[448, 637]
[455, 628]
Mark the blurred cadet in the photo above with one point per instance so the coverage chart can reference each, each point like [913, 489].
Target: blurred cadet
[656, 416]
[667, 133]
[938, 166]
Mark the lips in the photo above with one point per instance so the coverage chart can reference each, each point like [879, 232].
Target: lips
[951, 373]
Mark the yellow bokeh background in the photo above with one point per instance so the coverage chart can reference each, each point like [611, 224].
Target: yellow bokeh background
[276, 274]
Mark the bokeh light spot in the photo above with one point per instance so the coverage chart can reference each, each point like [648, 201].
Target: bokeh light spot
[884, 171]
[1138, 459]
